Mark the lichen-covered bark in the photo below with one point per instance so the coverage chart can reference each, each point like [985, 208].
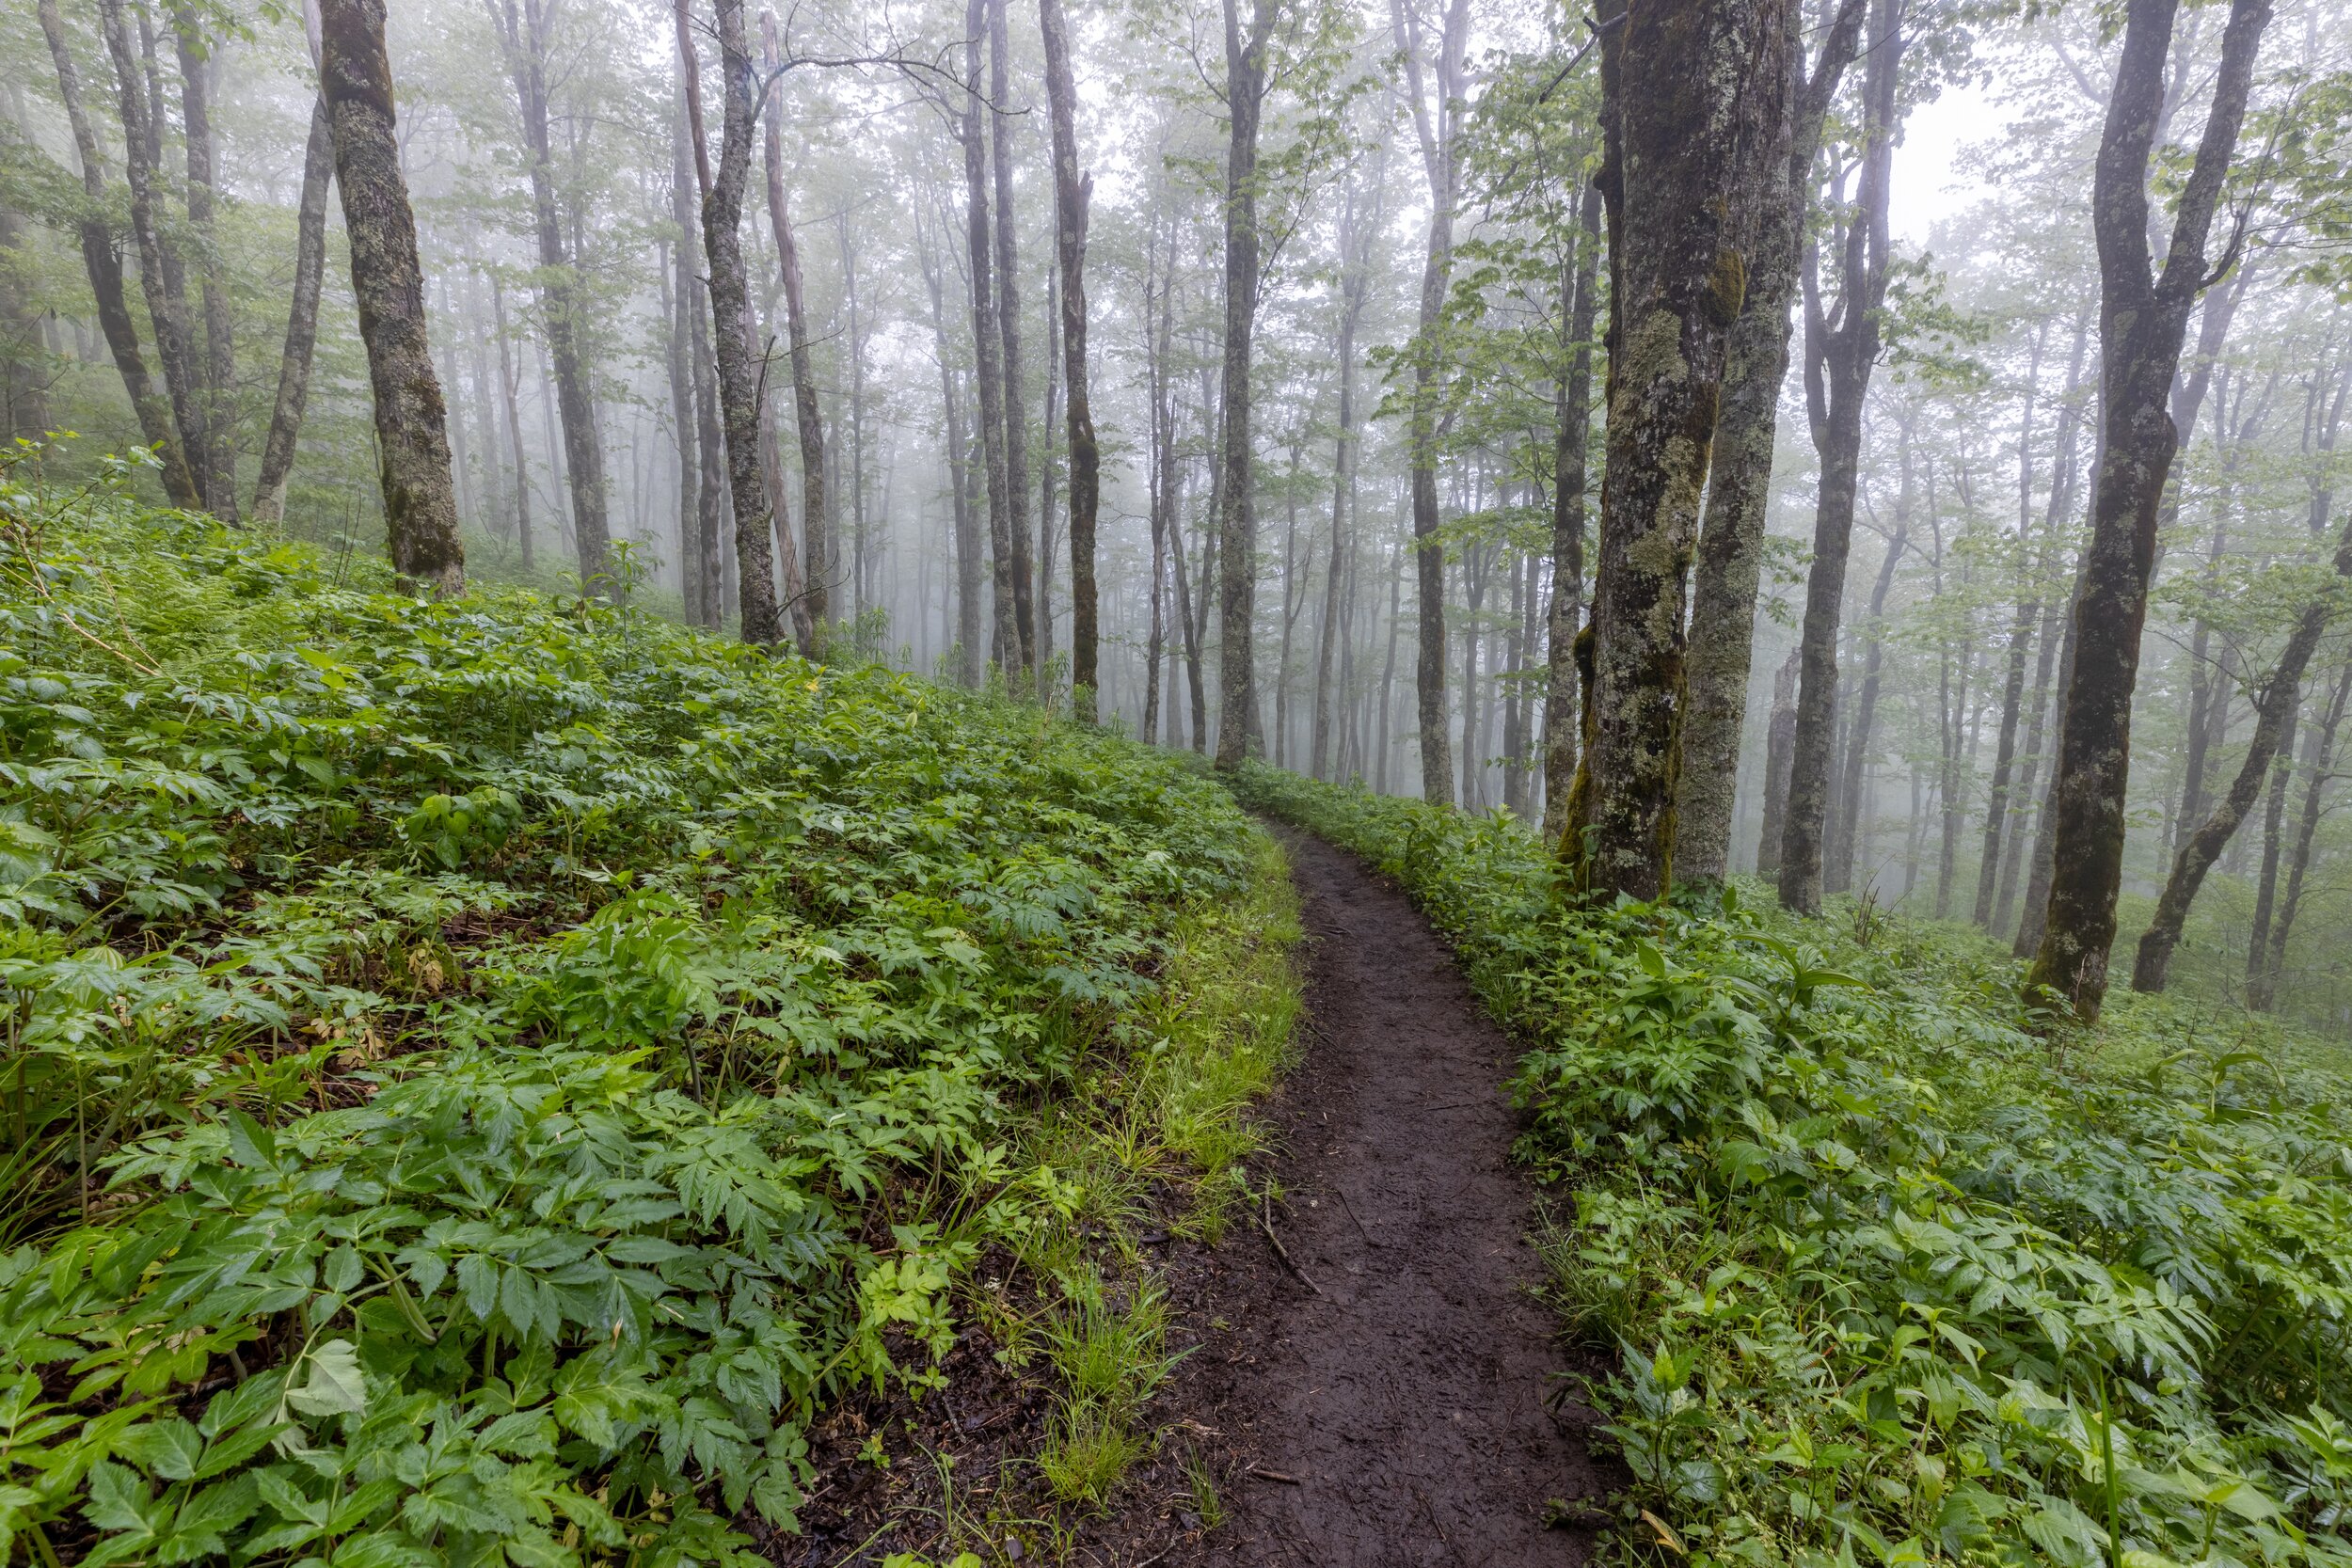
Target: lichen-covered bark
[1692, 88]
[419, 500]
[1571, 435]
[2144, 318]
[103, 261]
[738, 358]
[1072, 193]
[1731, 535]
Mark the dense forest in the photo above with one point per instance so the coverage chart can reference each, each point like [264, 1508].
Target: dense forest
[678, 605]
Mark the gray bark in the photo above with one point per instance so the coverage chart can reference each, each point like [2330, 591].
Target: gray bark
[420, 501]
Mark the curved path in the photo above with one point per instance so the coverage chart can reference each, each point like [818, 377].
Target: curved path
[1406, 1407]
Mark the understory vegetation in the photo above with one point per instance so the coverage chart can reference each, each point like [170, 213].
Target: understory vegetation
[1892, 1271]
[482, 1076]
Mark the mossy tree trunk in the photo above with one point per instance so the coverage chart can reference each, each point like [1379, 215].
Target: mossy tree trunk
[420, 499]
[1572, 437]
[1731, 535]
[738, 357]
[1691, 91]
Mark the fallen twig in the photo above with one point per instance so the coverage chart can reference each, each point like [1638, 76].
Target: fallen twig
[1275, 1475]
[1266, 1223]
[1351, 1214]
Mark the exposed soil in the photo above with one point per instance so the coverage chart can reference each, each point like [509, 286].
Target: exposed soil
[1411, 1406]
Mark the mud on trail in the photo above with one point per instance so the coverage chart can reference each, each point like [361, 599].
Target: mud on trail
[1406, 1407]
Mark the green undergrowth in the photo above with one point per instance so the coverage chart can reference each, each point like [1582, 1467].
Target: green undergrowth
[482, 1078]
[1887, 1275]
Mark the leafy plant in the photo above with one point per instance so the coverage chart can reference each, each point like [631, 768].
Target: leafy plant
[1882, 1280]
[483, 1076]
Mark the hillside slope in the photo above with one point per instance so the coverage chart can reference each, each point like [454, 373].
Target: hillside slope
[480, 1076]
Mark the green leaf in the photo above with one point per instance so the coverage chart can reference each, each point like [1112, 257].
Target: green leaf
[336, 1386]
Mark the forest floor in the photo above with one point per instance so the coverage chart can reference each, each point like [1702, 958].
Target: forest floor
[1412, 1405]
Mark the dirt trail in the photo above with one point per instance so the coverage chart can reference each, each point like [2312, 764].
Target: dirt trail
[1404, 1397]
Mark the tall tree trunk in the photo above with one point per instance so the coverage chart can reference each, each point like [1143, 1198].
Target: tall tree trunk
[1848, 830]
[1192, 618]
[2030, 571]
[1780, 739]
[302, 322]
[811, 608]
[2206, 683]
[1159, 302]
[2319, 758]
[738, 358]
[1952, 716]
[1072, 192]
[2266, 884]
[1729, 566]
[1572, 437]
[2144, 317]
[2062, 483]
[1436, 126]
[684, 422]
[1004, 640]
[25, 386]
[1475, 571]
[1237, 500]
[968, 524]
[510, 382]
[220, 364]
[1692, 89]
[1022, 568]
[1840, 354]
[1353, 283]
[862, 564]
[420, 502]
[139, 100]
[562, 319]
[102, 260]
[2275, 707]
[2034, 913]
